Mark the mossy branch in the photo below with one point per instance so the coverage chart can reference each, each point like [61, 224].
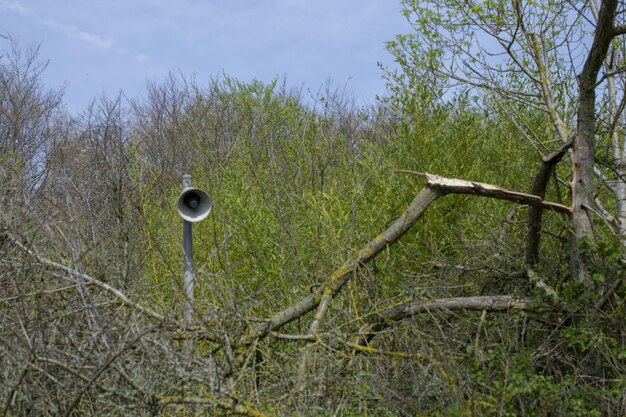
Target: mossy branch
[435, 188]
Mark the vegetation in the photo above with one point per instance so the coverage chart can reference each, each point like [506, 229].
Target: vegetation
[457, 248]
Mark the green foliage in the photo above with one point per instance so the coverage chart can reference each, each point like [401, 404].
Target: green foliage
[296, 189]
[298, 185]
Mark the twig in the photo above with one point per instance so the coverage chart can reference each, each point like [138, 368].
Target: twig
[88, 278]
[231, 404]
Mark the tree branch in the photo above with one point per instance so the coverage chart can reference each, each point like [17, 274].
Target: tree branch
[340, 277]
[458, 186]
[435, 188]
[535, 213]
[499, 303]
[231, 404]
[88, 278]
[619, 30]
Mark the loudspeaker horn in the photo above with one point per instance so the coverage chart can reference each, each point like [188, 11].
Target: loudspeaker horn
[194, 204]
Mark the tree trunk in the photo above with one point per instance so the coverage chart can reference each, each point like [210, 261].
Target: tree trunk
[584, 144]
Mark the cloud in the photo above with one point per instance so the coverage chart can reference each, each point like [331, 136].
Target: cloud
[141, 58]
[69, 30]
[15, 7]
[91, 38]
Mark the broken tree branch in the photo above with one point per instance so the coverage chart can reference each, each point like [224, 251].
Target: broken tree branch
[338, 279]
[499, 303]
[535, 213]
[435, 188]
[458, 186]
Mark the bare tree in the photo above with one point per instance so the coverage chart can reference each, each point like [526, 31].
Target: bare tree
[31, 119]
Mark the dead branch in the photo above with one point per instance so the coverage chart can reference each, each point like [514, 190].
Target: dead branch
[497, 303]
[88, 278]
[535, 214]
[458, 186]
[435, 188]
[338, 279]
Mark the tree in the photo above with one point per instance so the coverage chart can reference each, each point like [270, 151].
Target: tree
[31, 119]
[521, 55]
[583, 164]
[363, 260]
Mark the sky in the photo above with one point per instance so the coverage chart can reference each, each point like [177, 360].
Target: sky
[99, 47]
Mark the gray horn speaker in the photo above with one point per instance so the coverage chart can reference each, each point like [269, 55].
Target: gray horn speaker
[194, 204]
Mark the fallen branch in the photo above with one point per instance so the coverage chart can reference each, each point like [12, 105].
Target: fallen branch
[500, 303]
[435, 188]
[395, 231]
[322, 295]
[497, 303]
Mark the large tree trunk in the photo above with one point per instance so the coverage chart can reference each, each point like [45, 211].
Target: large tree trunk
[582, 182]
[584, 144]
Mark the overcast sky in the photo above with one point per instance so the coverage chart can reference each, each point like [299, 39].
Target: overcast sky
[106, 46]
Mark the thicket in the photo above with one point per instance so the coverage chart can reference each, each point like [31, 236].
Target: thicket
[451, 319]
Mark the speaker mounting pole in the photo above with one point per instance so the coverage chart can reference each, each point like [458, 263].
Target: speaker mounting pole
[188, 275]
[193, 206]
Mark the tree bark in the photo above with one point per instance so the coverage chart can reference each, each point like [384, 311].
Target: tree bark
[584, 144]
[618, 139]
[535, 214]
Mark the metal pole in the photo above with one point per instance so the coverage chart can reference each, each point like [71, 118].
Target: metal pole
[188, 276]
